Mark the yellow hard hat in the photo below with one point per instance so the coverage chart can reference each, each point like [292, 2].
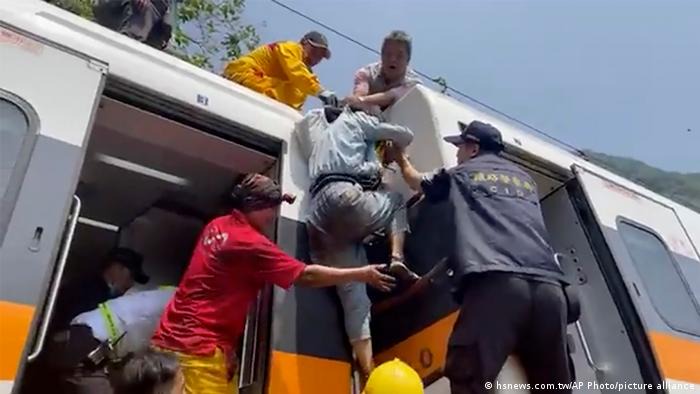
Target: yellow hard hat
[394, 377]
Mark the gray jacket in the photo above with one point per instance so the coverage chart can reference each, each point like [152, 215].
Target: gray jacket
[495, 222]
[347, 145]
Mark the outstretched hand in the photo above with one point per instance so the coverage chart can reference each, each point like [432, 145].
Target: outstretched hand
[375, 277]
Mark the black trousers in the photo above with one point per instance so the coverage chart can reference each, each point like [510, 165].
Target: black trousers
[147, 24]
[504, 314]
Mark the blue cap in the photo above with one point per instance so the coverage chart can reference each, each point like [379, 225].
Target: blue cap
[487, 136]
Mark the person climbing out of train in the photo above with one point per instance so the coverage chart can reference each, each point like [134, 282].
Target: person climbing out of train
[510, 288]
[130, 320]
[379, 85]
[232, 261]
[348, 204]
[282, 70]
[123, 272]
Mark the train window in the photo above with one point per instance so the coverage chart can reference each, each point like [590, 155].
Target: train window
[661, 278]
[17, 131]
[13, 128]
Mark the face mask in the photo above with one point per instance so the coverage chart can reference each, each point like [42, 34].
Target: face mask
[113, 290]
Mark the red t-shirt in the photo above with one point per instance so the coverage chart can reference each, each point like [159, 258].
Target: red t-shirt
[231, 263]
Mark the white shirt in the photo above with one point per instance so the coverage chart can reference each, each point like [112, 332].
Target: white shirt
[137, 313]
[138, 287]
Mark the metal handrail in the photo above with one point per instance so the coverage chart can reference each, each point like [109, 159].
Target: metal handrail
[579, 330]
[247, 369]
[53, 292]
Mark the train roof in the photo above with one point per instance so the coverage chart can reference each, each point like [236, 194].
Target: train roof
[139, 65]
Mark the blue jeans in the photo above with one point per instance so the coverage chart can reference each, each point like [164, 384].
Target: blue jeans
[341, 216]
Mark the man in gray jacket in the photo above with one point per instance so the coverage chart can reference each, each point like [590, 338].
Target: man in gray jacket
[348, 204]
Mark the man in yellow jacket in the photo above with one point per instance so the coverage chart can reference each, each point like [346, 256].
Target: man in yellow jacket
[282, 70]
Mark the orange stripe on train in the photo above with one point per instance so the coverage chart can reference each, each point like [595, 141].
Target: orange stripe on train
[14, 327]
[297, 374]
[424, 351]
[678, 358]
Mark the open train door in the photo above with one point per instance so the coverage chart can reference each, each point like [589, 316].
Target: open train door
[48, 96]
[648, 257]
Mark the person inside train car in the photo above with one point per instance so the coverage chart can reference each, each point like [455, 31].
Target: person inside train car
[510, 288]
[232, 261]
[379, 85]
[123, 272]
[282, 70]
[348, 204]
[129, 321]
[147, 21]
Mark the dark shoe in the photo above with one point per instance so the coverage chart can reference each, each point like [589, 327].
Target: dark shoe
[398, 268]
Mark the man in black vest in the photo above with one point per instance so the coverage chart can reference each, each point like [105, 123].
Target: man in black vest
[506, 279]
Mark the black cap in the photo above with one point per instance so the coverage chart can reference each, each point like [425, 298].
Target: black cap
[130, 259]
[487, 136]
[317, 40]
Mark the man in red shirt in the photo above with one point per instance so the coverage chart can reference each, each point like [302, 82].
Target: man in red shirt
[231, 262]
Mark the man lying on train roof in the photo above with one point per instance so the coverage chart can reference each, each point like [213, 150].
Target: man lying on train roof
[282, 70]
[348, 204]
[147, 21]
[507, 282]
[379, 85]
[232, 261]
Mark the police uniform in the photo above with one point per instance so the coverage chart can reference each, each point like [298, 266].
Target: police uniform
[506, 279]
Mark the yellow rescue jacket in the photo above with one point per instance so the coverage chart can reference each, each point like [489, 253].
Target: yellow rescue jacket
[276, 70]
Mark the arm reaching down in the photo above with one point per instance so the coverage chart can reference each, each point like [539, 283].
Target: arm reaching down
[381, 100]
[291, 59]
[362, 98]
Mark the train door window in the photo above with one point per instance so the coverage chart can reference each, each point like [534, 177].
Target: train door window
[17, 132]
[661, 278]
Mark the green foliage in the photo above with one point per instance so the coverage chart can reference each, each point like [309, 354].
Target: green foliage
[79, 7]
[682, 188]
[208, 32]
[211, 32]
